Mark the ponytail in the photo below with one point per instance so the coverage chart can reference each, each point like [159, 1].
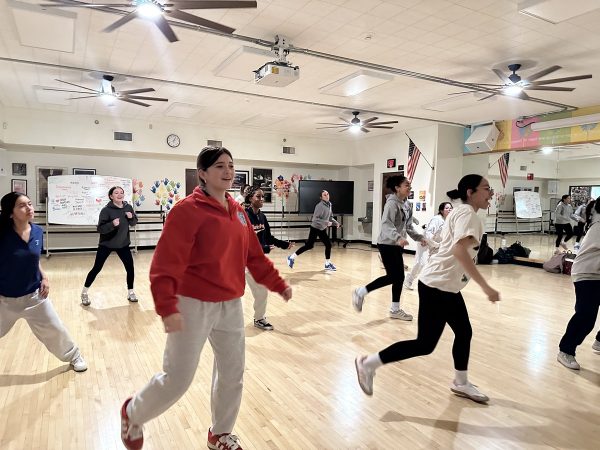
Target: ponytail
[467, 182]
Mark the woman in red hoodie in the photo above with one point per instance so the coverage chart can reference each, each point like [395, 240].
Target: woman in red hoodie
[197, 278]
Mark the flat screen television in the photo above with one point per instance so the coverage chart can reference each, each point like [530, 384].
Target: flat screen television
[341, 194]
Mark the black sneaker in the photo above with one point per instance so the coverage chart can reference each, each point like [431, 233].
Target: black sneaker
[263, 324]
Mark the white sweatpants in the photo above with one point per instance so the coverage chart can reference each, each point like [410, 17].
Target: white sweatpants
[222, 323]
[260, 294]
[421, 257]
[43, 321]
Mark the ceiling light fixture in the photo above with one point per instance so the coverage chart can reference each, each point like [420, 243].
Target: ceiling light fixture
[547, 150]
[149, 10]
[513, 90]
[565, 123]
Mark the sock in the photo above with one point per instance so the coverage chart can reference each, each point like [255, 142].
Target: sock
[293, 256]
[327, 261]
[395, 306]
[84, 290]
[373, 362]
[362, 291]
[460, 377]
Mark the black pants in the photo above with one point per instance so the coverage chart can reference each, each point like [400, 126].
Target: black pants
[578, 231]
[587, 302]
[312, 237]
[102, 255]
[563, 229]
[391, 257]
[436, 309]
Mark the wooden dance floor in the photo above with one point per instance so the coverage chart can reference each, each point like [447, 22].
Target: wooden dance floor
[300, 387]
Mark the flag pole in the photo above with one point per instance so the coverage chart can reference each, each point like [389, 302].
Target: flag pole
[421, 152]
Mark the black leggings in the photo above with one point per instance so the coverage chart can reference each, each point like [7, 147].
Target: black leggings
[391, 257]
[587, 303]
[312, 237]
[102, 255]
[436, 309]
[578, 231]
[562, 229]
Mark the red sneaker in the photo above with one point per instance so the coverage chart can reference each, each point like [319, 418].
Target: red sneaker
[131, 435]
[225, 441]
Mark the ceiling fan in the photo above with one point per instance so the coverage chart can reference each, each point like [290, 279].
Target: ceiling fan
[355, 124]
[515, 86]
[155, 11]
[108, 91]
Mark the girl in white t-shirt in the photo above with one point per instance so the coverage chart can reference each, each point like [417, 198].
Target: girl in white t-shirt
[433, 232]
[440, 300]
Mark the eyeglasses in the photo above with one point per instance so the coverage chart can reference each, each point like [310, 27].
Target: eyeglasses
[489, 189]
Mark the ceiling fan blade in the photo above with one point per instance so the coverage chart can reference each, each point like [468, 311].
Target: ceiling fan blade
[522, 95]
[165, 28]
[328, 123]
[562, 80]
[387, 128]
[548, 88]
[122, 21]
[487, 96]
[76, 85]
[370, 120]
[200, 4]
[337, 126]
[139, 97]
[135, 102]
[542, 73]
[364, 130]
[89, 5]
[67, 90]
[461, 92]
[187, 17]
[384, 123]
[137, 91]
[345, 129]
[87, 96]
[501, 75]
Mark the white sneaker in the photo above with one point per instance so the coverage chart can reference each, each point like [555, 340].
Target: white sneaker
[400, 314]
[596, 345]
[365, 376]
[469, 391]
[563, 245]
[357, 300]
[79, 364]
[409, 286]
[576, 246]
[132, 297]
[568, 361]
[85, 299]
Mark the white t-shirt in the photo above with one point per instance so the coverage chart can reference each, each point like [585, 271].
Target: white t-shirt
[443, 271]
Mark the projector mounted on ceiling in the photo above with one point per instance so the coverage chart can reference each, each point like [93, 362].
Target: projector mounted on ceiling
[277, 73]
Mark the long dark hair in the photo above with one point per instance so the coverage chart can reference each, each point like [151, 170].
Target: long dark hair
[467, 182]
[442, 207]
[208, 156]
[593, 205]
[7, 204]
[562, 199]
[393, 181]
[112, 189]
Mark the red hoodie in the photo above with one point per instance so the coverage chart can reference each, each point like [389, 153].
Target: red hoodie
[203, 252]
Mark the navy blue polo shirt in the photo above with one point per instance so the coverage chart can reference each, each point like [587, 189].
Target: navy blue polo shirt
[20, 262]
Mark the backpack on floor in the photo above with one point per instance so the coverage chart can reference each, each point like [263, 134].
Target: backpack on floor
[504, 255]
[519, 250]
[485, 254]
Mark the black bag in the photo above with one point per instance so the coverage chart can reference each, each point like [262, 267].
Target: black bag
[505, 255]
[519, 250]
[485, 254]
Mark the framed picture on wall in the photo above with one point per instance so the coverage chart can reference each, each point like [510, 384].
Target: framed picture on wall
[42, 174]
[263, 178]
[370, 186]
[84, 171]
[240, 179]
[19, 169]
[18, 186]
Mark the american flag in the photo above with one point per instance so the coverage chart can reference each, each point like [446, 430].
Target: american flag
[503, 165]
[413, 159]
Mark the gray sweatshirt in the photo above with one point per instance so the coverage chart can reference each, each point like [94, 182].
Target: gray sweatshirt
[587, 263]
[323, 215]
[396, 221]
[564, 214]
[111, 236]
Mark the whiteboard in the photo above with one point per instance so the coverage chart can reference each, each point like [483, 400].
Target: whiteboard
[528, 205]
[78, 199]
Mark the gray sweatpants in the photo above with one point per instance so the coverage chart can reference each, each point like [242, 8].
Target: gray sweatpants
[43, 321]
[260, 294]
[222, 323]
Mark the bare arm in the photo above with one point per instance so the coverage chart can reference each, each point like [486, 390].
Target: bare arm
[462, 255]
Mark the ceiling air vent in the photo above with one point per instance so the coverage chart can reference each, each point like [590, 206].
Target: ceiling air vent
[122, 136]
[523, 168]
[212, 143]
[289, 150]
